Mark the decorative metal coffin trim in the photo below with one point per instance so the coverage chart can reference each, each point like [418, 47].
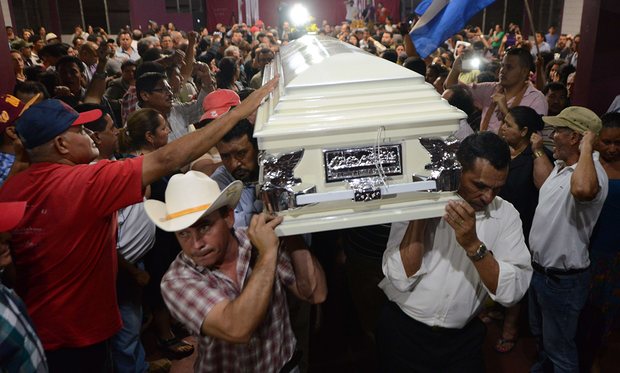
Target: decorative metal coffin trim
[280, 187]
[354, 163]
[445, 168]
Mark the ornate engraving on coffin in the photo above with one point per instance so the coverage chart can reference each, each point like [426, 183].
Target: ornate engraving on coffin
[445, 169]
[280, 187]
[354, 163]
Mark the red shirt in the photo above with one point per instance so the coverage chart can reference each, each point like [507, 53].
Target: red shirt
[64, 249]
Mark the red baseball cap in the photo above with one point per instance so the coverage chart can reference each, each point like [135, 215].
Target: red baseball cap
[219, 102]
[12, 214]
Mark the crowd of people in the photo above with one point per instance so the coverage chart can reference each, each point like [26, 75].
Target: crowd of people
[127, 186]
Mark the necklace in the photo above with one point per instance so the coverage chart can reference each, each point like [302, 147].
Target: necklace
[517, 153]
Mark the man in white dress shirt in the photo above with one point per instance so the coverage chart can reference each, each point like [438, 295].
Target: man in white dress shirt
[439, 271]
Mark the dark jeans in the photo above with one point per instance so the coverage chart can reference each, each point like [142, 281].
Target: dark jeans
[407, 345]
[90, 359]
[554, 307]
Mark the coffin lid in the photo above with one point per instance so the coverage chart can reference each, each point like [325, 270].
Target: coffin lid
[329, 86]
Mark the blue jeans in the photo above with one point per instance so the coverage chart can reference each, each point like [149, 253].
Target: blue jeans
[127, 350]
[554, 307]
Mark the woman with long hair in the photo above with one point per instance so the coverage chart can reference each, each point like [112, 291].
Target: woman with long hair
[521, 189]
[147, 130]
[228, 75]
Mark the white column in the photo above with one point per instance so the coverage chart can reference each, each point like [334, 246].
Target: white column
[571, 18]
[7, 14]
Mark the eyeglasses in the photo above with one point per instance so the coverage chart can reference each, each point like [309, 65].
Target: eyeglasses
[162, 90]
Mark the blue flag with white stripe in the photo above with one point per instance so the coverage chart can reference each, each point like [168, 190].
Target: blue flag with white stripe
[441, 19]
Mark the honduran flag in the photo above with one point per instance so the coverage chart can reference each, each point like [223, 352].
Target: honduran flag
[441, 19]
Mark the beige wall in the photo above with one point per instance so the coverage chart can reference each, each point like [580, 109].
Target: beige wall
[6, 14]
[571, 18]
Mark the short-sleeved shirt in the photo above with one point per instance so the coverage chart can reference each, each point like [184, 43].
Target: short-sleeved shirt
[562, 225]
[64, 248]
[191, 291]
[482, 93]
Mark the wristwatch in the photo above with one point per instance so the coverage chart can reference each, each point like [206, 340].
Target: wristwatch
[479, 254]
[97, 75]
[538, 154]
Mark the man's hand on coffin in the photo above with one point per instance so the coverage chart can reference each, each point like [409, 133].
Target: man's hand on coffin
[253, 101]
[461, 217]
[262, 235]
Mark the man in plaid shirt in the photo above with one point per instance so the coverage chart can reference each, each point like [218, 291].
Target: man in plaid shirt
[229, 286]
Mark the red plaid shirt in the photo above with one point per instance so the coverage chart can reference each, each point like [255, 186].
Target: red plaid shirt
[190, 291]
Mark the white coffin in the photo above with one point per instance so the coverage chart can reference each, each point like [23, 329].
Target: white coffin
[333, 95]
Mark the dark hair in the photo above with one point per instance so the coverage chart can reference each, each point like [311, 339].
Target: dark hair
[226, 76]
[66, 60]
[492, 67]
[128, 63]
[147, 82]
[244, 93]
[243, 127]
[151, 54]
[97, 125]
[141, 121]
[204, 44]
[53, 50]
[207, 57]
[525, 58]
[462, 98]
[33, 72]
[555, 86]
[565, 71]
[75, 39]
[31, 87]
[486, 76]
[525, 116]
[390, 55]
[550, 64]
[485, 145]
[149, 67]
[435, 69]
[415, 64]
[611, 120]
[50, 81]
[478, 46]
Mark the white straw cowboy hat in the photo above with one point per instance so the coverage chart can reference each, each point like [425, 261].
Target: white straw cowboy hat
[190, 196]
